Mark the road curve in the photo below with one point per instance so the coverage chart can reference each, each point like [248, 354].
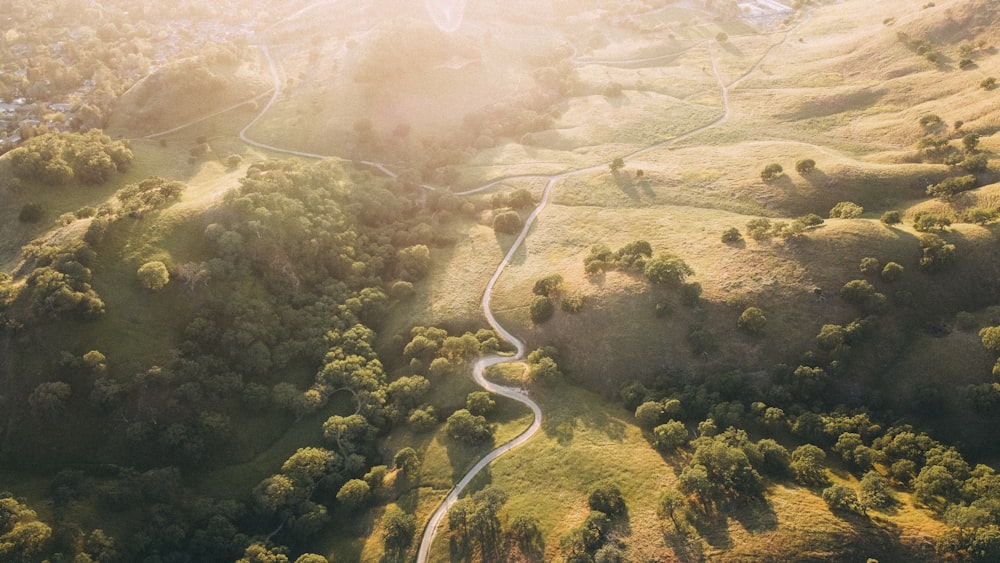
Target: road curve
[478, 371]
[484, 362]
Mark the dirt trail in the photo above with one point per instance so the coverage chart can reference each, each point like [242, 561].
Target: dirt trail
[479, 368]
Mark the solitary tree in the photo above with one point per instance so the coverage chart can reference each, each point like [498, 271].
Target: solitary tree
[752, 320]
[667, 269]
[153, 275]
[771, 171]
[805, 166]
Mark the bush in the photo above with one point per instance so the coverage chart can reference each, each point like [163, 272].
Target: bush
[541, 309]
[936, 254]
[890, 218]
[731, 235]
[667, 269]
[805, 166]
[606, 497]
[891, 272]
[979, 216]
[925, 221]
[548, 286]
[949, 187]
[846, 210]
[841, 497]
[670, 436]
[752, 320]
[771, 171]
[153, 275]
[869, 265]
[759, 229]
[30, 213]
[507, 223]
[988, 83]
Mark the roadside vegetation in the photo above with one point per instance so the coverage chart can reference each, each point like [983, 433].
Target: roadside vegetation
[761, 320]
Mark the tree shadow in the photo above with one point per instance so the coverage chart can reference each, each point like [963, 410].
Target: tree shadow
[819, 179]
[731, 49]
[711, 525]
[463, 456]
[625, 183]
[756, 515]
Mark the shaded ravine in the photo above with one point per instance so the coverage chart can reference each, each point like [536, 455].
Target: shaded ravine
[484, 362]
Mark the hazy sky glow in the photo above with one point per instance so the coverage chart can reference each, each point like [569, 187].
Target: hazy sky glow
[447, 14]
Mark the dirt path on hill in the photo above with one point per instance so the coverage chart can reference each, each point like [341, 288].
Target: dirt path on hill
[479, 368]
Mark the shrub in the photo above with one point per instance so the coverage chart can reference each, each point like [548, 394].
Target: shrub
[752, 320]
[507, 223]
[606, 497]
[153, 275]
[988, 83]
[841, 497]
[701, 341]
[929, 120]
[925, 221]
[541, 309]
[891, 272]
[869, 265]
[771, 171]
[670, 436]
[759, 229]
[667, 269]
[572, 303]
[846, 210]
[979, 216]
[936, 253]
[805, 166]
[548, 286]
[949, 187]
[30, 213]
[731, 235]
[890, 218]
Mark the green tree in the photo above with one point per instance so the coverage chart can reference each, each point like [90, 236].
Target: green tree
[399, 528]
[353, 493]
[805, 166]
[970, 143]
[49, 398]
[950, 187]
[670, 436]
[870, 265]
[406, 460]
[153, 275]
[541, 309]
[759, 228]
[731, 235]
[605, 496]
[507, 223]
[480, 403]
[617, 164]
[667, 269]
[467, 427]
[649, 414]
[936, 254]
[549, 286]
[841, 497]
[846, 210]
[891, 272]
[863, 294]
[771, 171]
[925, 221]
[752, 320]
[890, 218]
[807, 465]
[875, 491]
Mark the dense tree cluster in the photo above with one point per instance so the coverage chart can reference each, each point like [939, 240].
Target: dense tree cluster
[59, 158]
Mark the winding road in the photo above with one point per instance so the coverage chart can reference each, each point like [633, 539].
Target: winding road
[480, 366]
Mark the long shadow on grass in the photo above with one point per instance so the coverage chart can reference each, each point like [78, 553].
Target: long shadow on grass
[463, 456]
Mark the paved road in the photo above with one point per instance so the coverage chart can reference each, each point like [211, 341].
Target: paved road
[485, 362]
